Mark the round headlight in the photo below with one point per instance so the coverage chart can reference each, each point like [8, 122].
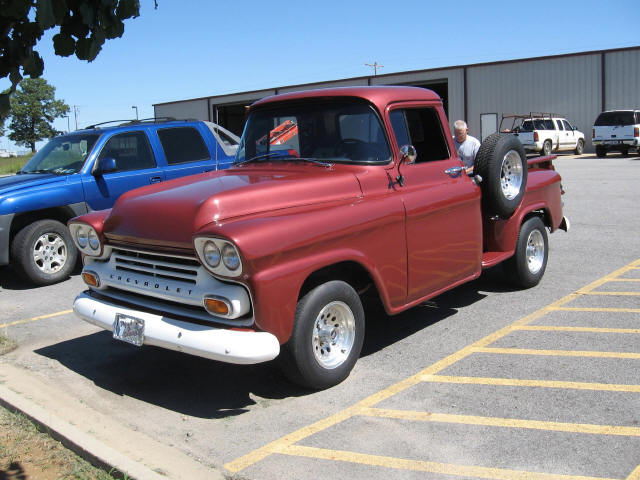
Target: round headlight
[211, 254]
[94, 241]
[81, 237]
[230, 257]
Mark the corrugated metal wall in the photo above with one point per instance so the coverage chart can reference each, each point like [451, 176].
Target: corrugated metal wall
[622, 70]
[569, 86]
[188, 109]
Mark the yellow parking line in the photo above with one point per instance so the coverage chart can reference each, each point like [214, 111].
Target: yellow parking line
[595, 309]
[635, 475]
[626, 280]
[41, 317]
[288, 440]
[613, 294]
[502, 422]
[559, 353]
[516, 382]
[549, 328]
[422, 466]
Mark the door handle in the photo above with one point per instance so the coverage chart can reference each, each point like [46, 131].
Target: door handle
[155, 179]
[454, 172]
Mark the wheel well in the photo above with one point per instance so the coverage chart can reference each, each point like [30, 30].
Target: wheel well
[21, 220]
[543, 214]
[350, 272]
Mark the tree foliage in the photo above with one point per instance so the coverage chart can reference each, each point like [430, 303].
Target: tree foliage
[33, 110]
[84, 25]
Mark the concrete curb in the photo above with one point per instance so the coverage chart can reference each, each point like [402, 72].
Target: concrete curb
[94, 436]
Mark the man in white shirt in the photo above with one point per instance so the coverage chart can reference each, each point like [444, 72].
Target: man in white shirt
[466, 145]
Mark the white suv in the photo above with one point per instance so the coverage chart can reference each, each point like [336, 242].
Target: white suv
[616, 130]
[546, 133]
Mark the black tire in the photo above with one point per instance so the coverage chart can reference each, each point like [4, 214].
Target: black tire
[526, 268]
[43, 252]
[306, 358]
[624, 152]
[547, 147]
[601, 152]
[502, 163]
[579, 147]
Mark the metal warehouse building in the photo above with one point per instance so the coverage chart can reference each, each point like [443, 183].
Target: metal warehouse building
[577, 86]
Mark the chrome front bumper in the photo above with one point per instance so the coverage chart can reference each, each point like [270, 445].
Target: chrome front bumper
[231, 346]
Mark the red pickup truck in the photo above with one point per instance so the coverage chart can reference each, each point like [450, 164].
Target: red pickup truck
[276, 256]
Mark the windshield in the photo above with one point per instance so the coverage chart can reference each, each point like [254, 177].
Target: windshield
[62, 155]
[615, 119]
[346, 131]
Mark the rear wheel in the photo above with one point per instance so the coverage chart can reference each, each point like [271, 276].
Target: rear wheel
[502, 163]
[601, 152]
[546, 147]
[579, 147]
[526, 268]
[327, 336]
[624, 152]
[43, 252]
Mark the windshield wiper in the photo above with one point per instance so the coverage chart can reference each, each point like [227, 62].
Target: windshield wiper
[258, 158]
[293, 158]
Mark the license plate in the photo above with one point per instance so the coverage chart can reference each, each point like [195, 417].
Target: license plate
[128, 329]
[613, 142]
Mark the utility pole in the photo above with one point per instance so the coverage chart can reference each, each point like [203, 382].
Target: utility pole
[136, 109]
[375, 67]
[75, 114]
[68, 124]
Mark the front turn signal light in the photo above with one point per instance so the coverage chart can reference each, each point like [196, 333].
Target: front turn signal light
[217, 306]
[91, 279]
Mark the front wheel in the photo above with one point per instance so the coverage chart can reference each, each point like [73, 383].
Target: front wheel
[526, 268]
[579, 147]
[546, 147]
[327, 336]
[43, 252]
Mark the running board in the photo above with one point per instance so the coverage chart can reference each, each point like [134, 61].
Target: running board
[490, 259]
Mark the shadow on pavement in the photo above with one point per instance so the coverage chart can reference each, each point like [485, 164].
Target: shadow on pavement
[207, 389]
[10, 280]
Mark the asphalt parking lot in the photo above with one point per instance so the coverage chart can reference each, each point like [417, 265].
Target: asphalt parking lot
[483, 382]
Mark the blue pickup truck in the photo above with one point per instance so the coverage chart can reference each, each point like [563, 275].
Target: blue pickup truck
[88, 170]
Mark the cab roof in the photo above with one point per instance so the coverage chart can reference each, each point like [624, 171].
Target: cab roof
[380, 96]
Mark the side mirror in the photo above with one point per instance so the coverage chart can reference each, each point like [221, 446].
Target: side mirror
[574, 127]
[409, 154]
[105, 165]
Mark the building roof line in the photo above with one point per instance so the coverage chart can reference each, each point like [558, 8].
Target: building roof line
[406, 72]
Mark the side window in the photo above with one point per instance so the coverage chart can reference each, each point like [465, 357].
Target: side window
[548, 125]
[421, 127]
[183, 145]
[559, 122]
[567, 125]
[540, 125]
[130, 150]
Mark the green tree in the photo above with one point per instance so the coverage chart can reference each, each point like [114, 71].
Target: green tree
[33, 109]
[84, 25]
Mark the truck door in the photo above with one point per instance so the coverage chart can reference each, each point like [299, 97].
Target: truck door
[570, 137]
[135, 167]
[442, 206]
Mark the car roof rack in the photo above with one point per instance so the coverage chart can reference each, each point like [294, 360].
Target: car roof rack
[136, 121]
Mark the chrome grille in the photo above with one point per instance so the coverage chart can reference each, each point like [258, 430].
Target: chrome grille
[168, 267]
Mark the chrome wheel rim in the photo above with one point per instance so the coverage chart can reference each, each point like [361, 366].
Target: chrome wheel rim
[511, 174]
[50, 253]
[334, 332]
[535, 251]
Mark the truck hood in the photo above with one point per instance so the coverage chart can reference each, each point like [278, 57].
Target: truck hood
[169, 214]
[18, 182]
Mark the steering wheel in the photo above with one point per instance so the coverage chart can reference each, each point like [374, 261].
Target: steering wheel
[347, 146]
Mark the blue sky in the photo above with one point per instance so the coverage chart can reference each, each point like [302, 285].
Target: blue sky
[196, 48]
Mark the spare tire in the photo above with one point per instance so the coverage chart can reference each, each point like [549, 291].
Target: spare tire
[502, 164]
